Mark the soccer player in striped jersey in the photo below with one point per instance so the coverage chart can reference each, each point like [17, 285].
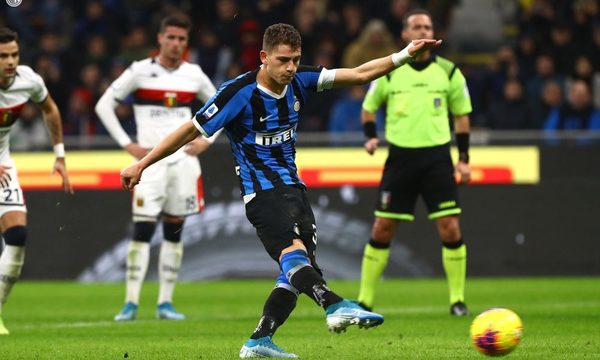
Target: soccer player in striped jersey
[18, 85]
[163, 88]
[260, 111]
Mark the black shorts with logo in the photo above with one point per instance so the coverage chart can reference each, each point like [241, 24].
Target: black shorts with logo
[281, 215]
[410, 172]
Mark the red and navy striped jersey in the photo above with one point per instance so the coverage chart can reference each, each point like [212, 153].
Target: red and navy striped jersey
[162, 97]
[27, 85]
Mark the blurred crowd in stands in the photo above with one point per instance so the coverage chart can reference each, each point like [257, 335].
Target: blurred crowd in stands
[546, 75]
[549, 76]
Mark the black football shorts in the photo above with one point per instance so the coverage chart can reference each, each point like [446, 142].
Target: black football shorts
[281, 215]
[410, 172]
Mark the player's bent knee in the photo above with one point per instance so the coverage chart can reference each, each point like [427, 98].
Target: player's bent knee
[284, 283]
[15, 236]
[143, 231]
[293, 261]
[172, 231]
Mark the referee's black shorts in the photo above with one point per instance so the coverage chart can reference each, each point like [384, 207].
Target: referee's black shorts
[410, 172]
[281, 215]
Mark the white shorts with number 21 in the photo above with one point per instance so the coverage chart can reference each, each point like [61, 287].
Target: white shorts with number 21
[11, 195]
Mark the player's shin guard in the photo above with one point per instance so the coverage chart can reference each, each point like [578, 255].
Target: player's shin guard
[11, 263]
[138, 255]
[277, 309]
[374, 262]
[169, 263]
[454, 258]
[306, 279]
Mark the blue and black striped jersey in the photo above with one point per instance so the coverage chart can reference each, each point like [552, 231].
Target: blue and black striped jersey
[261, 126]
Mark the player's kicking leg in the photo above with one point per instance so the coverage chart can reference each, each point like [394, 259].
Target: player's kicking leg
[277, 309]
[285, 224]
[346, 313]
[340, 313]
[138, 256]
[169, 263]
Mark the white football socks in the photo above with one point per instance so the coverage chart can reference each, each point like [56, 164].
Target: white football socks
[138, 256]
[11, 263]
[169, 262]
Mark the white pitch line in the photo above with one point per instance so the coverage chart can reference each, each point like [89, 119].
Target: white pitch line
[399, 310]
[79, 324]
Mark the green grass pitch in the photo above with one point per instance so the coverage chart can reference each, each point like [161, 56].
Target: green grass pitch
[64, 320]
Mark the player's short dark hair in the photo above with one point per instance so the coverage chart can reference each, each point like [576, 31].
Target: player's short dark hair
[415, 12]
[177, 21]
[281, 34]
[7, 35]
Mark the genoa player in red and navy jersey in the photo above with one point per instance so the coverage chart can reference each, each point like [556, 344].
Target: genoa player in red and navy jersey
[19, 84]
[259, 111]
[163, 89]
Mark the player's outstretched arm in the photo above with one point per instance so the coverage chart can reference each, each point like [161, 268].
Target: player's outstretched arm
[187, 132]
[52, 118]
[373, 69]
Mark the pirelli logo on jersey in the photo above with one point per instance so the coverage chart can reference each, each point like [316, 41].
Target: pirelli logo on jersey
[276, 138]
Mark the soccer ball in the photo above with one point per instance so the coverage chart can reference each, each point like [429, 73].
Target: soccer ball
[496, 332]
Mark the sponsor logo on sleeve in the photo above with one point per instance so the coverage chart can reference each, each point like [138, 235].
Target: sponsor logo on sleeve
[208, 113]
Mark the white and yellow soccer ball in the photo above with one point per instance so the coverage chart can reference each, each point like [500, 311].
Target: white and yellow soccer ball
[496, 332]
